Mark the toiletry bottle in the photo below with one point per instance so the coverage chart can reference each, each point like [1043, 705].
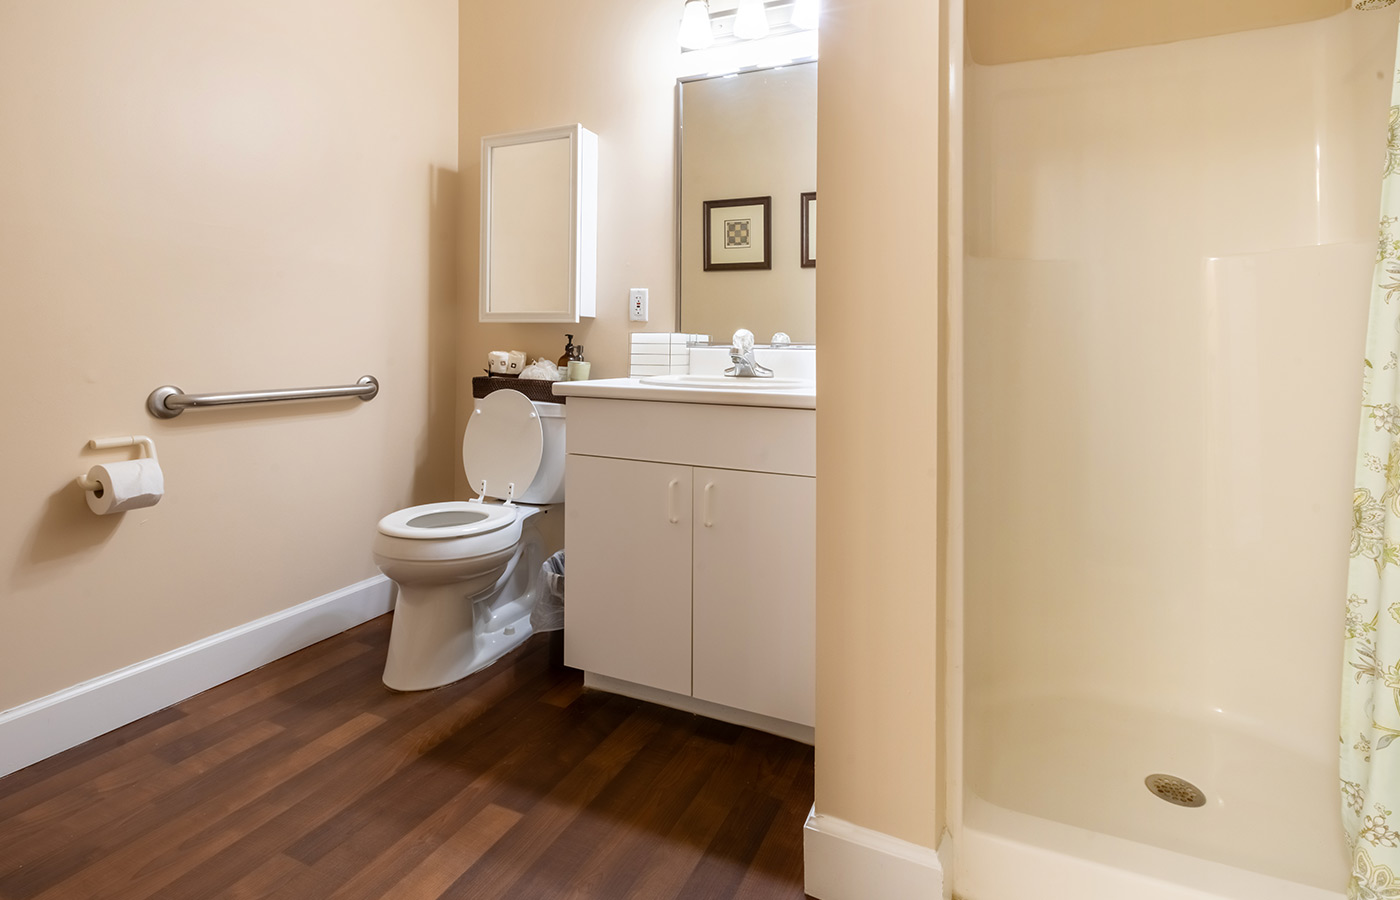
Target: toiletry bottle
[568, 352]
[578, 367]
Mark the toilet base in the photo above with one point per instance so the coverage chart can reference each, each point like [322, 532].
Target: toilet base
[496, 644]
[422, 656]
[444, 632]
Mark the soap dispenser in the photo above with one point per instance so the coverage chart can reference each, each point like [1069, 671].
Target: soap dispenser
[569, 352]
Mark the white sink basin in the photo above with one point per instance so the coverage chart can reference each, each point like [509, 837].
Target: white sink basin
[727, 382]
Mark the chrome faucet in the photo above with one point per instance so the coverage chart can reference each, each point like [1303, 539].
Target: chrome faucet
[742, 355]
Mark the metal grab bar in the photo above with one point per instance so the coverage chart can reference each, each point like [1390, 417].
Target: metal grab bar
[168, 401]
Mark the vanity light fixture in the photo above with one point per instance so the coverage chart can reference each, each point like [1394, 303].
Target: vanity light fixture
[695, 25]
[728, 39]
[805, 14]
[751, 21]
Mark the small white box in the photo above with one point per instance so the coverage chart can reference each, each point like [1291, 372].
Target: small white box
[650, 337]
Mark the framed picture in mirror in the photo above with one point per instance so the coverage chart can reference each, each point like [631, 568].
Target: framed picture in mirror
[737, 235]
[809, 230]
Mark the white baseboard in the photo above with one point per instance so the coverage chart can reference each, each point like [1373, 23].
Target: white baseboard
[49, 725]
[844, 861]
[757, 721]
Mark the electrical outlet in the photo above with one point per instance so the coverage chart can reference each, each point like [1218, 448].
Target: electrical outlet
[637, 304]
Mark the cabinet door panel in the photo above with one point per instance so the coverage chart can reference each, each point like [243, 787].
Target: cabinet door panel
[755, 592]
[627, 573]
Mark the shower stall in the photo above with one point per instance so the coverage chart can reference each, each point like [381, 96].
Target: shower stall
[1166, 267]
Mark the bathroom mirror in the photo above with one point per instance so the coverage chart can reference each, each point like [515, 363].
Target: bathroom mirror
[744, 138]
[539, 223]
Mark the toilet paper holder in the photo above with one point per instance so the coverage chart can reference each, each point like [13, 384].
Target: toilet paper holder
[134, 440]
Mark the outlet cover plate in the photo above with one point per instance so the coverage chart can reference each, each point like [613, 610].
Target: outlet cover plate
[637, 304]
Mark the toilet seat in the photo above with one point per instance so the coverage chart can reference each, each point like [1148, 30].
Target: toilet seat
[441, 521]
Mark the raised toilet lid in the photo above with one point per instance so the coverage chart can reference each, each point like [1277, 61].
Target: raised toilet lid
[502, 444]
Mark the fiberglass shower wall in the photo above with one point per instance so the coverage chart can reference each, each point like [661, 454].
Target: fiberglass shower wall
[1168, 260]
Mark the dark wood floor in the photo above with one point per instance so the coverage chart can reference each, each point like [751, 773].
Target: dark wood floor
[308, 779]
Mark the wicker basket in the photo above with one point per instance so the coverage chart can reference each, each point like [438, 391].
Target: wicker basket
[535, 388]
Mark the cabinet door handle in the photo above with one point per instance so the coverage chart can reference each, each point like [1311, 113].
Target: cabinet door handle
[671, 496]
[709, 486]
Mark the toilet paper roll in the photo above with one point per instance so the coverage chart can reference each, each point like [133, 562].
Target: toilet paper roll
[135, 484]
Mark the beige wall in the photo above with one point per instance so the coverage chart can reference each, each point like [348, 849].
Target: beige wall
[1001, 31]
[610, 65]
[878, 457]
[749, 136]
[221, 196]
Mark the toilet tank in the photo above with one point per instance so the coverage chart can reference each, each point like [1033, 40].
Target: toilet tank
[548, 486]
[505, 437]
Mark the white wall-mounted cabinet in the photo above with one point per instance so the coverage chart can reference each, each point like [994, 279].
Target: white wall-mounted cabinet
[696, 580]
[539, 225]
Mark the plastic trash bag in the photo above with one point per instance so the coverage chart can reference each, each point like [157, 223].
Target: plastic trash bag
[548, 614]
[543, 370]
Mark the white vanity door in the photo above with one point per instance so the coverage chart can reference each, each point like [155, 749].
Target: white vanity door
[627, 573]
[755, 592]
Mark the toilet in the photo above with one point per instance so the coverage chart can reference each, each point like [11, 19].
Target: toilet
[468, 572]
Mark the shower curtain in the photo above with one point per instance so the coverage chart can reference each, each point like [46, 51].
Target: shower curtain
[1370, 737]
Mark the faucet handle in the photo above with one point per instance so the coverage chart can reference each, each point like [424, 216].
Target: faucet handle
[743, 340]
[780, 339]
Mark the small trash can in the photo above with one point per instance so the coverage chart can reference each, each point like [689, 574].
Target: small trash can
[548, 614]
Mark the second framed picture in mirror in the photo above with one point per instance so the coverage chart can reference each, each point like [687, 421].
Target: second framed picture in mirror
[809, 230]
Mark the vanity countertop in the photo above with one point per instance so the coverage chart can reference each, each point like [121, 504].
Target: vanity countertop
[800, 397]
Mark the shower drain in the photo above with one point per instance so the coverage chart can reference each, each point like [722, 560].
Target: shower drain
[1175, 790]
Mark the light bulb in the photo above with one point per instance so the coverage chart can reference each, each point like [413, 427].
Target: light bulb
[751, 22]
[695, 25]
[805, 14]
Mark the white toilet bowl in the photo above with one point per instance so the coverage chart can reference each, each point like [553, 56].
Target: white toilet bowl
[468, 572]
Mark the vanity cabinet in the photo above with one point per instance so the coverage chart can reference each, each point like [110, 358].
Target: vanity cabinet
[691, 563]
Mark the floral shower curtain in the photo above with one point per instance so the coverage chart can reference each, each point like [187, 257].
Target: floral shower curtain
[1370, 738]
